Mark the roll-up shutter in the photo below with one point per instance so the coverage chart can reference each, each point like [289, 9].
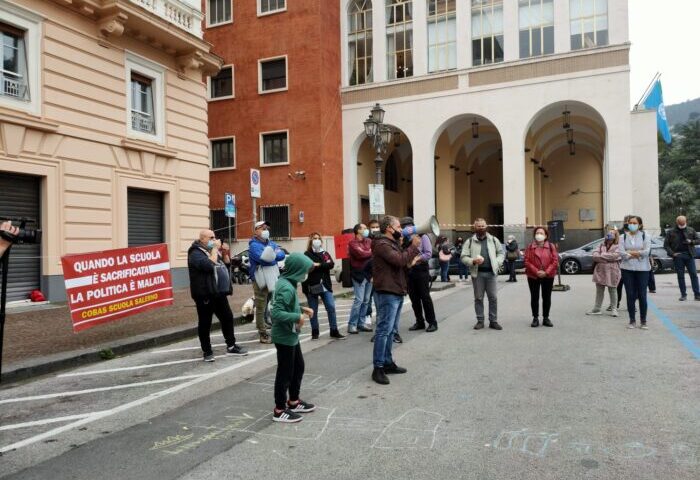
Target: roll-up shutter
[20, 199]
[145, 217]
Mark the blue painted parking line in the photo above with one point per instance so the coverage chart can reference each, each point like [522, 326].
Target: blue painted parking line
[687, 342]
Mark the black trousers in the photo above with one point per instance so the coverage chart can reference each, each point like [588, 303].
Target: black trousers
[546, 284]
[290, 370]
[419, 293]
[619, 293]
[206, 308]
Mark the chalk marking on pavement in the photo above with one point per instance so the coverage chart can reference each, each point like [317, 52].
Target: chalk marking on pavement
[46, 421]
[134, 403]
[671, 327]
[99, 389]
[154, 365]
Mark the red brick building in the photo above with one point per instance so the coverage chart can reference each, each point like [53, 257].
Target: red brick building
[275, 106]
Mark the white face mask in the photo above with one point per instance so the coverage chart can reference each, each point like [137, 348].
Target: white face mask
[316, 243]
[539, 237]
[265, 234]
[682, 226]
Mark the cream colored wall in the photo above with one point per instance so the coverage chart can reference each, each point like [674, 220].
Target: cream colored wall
[444, 181]
[395, 203]
[80, 143]
[567, 174]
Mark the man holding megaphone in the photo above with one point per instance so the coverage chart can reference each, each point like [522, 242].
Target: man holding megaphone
[419, 277]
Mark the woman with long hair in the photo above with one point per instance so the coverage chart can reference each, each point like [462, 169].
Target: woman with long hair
[635, 248]
[318, 285]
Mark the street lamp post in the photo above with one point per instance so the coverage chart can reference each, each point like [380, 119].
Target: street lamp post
[380, 135]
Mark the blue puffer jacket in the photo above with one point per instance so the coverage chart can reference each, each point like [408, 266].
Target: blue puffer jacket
[255, 249]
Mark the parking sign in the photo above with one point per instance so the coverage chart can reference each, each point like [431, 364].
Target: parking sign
[254, 183]
[230, 205]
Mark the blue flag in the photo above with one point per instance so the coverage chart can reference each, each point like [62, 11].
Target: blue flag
[655, 101]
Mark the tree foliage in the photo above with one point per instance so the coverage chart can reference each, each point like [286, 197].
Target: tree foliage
[679, 174]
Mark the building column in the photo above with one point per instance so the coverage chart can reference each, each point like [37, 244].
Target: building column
[618, 187]
[464, 34]
[420, 38]
[423, 177]
[514, 197]
[379, 42]
[562, 27]
[510, 31]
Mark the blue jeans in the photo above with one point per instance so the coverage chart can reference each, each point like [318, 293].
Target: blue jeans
[444, 271]
[388, 314]
[463, 270]
[328, 302]
[362, 292]
[681, 262]
[636, 289]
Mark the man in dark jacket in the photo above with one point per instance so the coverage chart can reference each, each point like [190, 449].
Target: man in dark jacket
[680, 244]
[210, 285]
[389, 265]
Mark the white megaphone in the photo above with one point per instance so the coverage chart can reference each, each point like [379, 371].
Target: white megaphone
[430, 226]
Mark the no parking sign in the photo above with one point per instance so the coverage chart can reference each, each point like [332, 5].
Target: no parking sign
[254, 183]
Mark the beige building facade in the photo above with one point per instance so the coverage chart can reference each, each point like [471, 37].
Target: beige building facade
[103, 130]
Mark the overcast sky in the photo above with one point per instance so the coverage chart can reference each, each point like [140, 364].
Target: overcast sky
[664, 38]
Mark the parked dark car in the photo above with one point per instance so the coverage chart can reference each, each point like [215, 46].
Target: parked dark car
[580, 260]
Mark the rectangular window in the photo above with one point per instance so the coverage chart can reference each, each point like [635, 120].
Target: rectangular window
[13, 76]
[142, 108]
[442, 35]
[271, 6]
[487, 32]
[223, 153]
[536, 18]
[273, 75]
[274, 148]
[399, 36]
[219, 225]
[221, 85]
[589, 23]
[360, 42]
[218, 12]
[278, 216]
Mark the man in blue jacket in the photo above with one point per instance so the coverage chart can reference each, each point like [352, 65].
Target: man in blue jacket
[262, 252]
[210, 286]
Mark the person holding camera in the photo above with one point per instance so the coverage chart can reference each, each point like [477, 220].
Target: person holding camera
[680, 245]
[287, 319]
[419, 279]
[8, 233]
[210, 286]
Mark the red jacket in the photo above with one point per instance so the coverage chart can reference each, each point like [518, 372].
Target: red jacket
[360, 252]
[541, 258]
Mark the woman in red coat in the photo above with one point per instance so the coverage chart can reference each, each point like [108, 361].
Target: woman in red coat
[541, 261]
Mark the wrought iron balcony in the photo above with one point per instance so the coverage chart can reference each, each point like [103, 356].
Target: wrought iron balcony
[142, 122]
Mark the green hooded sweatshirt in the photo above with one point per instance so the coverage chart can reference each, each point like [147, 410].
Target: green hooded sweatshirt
[285, 303]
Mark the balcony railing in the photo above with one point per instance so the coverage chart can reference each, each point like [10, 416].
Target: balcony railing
[142, 122]
[13, 85]
[178, 12]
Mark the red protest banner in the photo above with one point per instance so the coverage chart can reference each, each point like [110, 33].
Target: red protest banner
[106, 286]
[341, 245]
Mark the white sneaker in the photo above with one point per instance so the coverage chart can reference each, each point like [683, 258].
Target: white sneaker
[631, 325]
[368, 320]
[614, 313]
[594, 312]
[644, 326]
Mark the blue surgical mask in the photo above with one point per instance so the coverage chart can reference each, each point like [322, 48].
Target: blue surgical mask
[632, 227]
[210, 244]
[265, 234]
[610, 236]
[365, 233]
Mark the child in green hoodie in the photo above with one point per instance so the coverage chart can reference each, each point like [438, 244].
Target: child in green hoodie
[287, 320]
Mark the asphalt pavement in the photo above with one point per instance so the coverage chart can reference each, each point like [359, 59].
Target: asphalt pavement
[585, 399]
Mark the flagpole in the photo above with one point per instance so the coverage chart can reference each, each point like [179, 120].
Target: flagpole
[646, 91]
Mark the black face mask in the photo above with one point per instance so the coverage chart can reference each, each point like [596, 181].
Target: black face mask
[396, 235]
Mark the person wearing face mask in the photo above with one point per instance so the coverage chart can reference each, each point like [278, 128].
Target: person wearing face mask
[606, 272]
[635, 247]
[373, 226]
[318, 285]
[512, 254]
[680, 245]
[263, 253]
[461, 268]
[483, 254]
[419, 280]
[541, 262]
[210, 286]
[390, 264]
[621, 231]
[360, 253]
